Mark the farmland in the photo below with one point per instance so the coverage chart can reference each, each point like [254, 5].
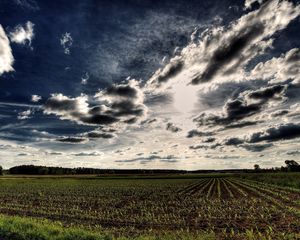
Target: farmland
[134, 207]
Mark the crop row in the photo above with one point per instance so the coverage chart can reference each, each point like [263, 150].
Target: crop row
[158, 204]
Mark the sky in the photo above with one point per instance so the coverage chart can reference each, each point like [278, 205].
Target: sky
[149, 84]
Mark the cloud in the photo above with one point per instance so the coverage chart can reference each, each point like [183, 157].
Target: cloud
[35, 98]
[249, 3]
[279, 113]
[205, 146]
[23, 154]
[22, 34]
[24, 115]
[124, 101]
[247, 103]
[54, 153]
[170, 70]
[293, 152]
[87, 154]
[172, 128]
[99, 134]
[275, 133]
[72, 140]
[221, 157]
[232, 141]
[241, 124]
[78, 110]
[66, 42]
[256, 147]
[281, 69]
[168, 158]
[85, 78]
[196, 133]
[120, 103]
[225, 51]
[6, 57]
[208, 140]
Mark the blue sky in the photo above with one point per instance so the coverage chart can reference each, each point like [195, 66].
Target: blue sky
[149, 84]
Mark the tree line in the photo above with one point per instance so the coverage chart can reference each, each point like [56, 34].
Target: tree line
[43, 170]
[291, 166]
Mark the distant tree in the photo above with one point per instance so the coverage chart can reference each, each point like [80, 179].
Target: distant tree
[292, 165]
[256, 167]
[1, 170]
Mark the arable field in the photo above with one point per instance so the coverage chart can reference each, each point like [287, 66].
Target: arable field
[212, 207]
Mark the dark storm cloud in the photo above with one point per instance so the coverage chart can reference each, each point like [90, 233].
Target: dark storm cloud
[76, 109]
[238, 109]
[196, 133]
[121, 91]
[208, 140]
[229, 51]
[97, 119]
[256, 147]
[126, 108]
[204, 146]
[60, 103]
[281, 132]
[118, 103]
[266, 93]
[247, 103]
[72, 140]
[99, 134]
[172, 128]
[169, 71]
[149, 121]
[232, 141]
[23, 154]
[54, 153]
[243, 143]
[279, 113]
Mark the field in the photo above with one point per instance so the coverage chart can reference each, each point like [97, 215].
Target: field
[213, 206]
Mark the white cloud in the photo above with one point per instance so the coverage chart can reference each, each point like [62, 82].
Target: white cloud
[85, 78]
[22, 34]
[66, 42]
[35, 98]
[24, 115]
[248, 3]
[280, 69]
[6, 57]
